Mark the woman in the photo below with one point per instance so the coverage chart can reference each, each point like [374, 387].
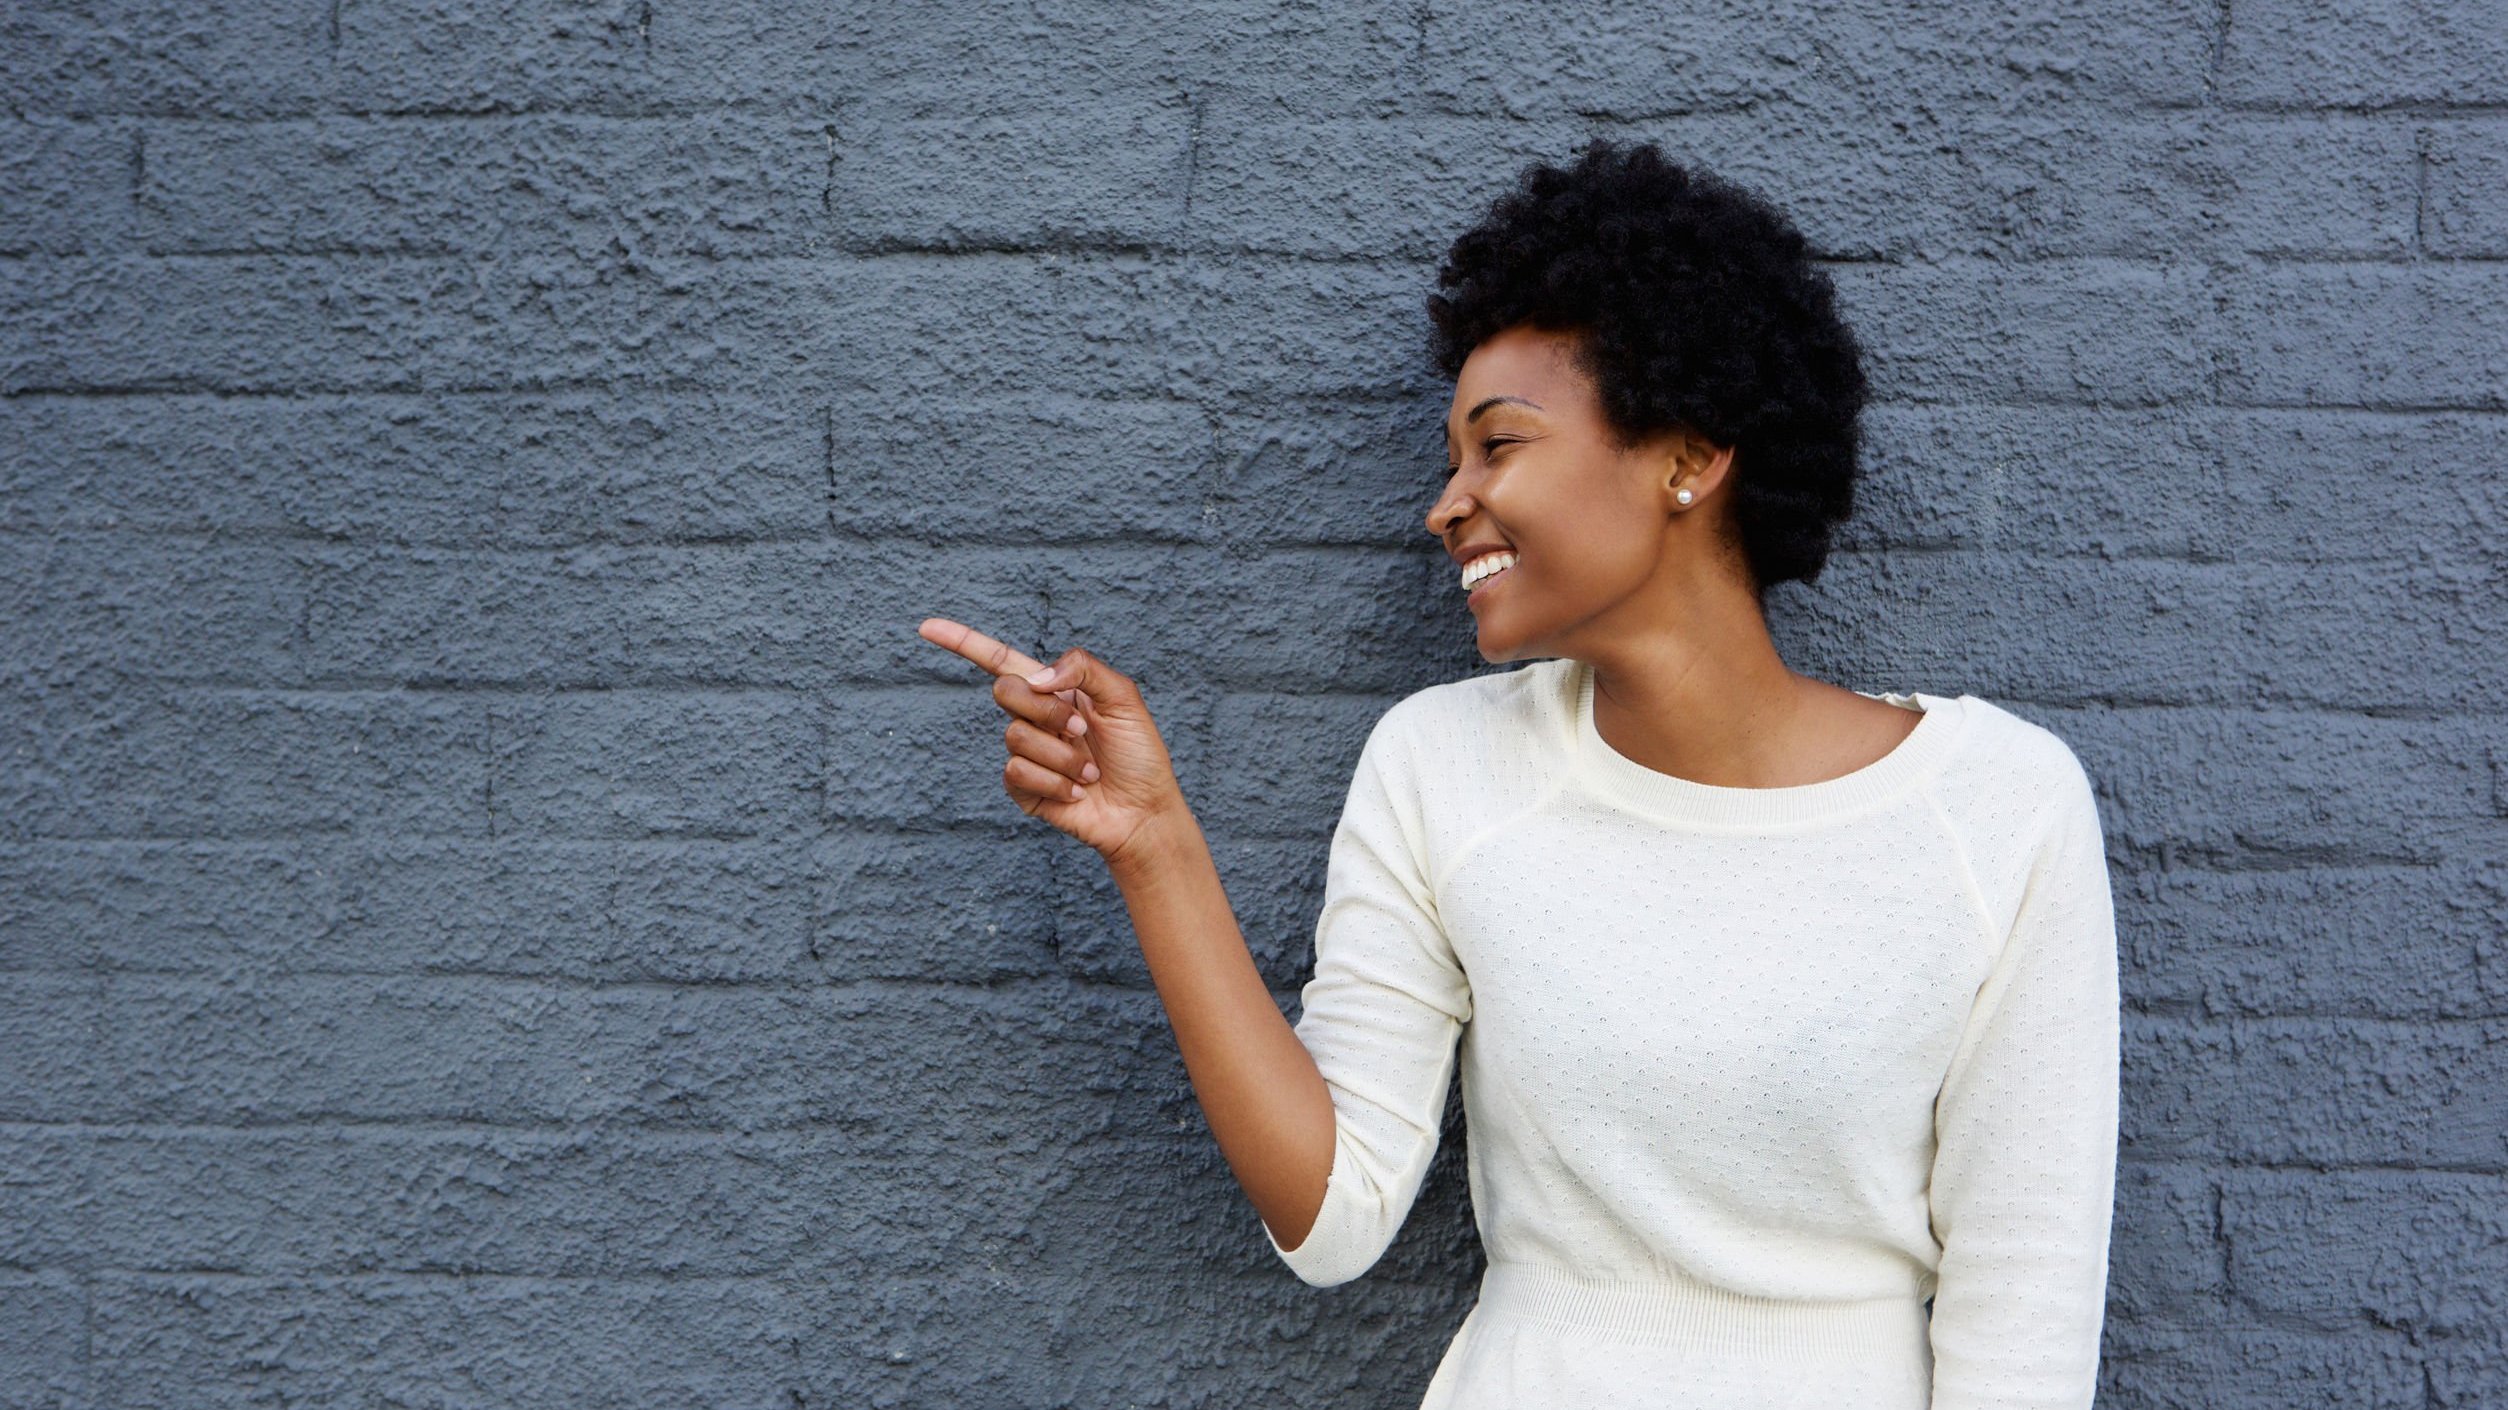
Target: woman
[1787, 1013]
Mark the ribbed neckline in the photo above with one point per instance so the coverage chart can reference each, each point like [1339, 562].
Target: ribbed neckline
[1685, 800]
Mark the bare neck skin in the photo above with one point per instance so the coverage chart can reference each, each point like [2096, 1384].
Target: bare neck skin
[1711, 701]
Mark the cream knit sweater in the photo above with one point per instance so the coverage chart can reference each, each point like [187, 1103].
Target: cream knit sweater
[1749, 1074]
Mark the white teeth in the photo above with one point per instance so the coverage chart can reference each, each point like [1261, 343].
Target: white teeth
[1485, 567]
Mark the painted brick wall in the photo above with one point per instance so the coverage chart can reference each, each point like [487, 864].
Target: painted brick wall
[500, 907]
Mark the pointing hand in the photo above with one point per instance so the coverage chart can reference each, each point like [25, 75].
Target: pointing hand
[1084, 753]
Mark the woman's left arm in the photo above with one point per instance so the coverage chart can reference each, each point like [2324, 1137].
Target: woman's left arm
[2024, 1170]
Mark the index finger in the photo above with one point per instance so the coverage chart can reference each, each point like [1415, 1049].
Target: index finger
[992, 654]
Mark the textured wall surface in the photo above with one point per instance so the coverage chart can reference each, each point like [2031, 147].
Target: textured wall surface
[499, 907]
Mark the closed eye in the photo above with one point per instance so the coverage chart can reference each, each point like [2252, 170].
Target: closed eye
[1488, 447]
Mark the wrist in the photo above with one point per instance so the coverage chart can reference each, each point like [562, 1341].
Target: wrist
[1153, 846]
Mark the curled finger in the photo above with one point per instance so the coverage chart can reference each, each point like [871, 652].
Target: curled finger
[1063, 755]
[1024, 775]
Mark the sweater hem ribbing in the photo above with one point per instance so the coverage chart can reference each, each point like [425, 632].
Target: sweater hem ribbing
[1713, 1321]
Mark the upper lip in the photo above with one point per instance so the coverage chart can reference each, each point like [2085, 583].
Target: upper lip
[1470, 551]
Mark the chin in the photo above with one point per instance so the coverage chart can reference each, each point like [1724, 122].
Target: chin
[1499, 653]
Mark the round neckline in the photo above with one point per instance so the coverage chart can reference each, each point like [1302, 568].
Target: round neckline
[1670, 796]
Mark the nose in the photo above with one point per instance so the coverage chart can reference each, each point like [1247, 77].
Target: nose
[1450, 509]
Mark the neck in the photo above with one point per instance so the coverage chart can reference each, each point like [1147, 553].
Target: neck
[1707, 698]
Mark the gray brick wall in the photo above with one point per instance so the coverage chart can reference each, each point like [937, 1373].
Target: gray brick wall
[498, 906]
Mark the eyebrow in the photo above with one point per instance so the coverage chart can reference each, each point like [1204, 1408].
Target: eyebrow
[1474, 414]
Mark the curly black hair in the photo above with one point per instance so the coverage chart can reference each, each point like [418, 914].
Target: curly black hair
[1695, 304]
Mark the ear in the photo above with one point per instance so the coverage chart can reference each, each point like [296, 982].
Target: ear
[1694, 463]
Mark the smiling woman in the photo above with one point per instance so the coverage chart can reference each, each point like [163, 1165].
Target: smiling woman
[1786, 1013]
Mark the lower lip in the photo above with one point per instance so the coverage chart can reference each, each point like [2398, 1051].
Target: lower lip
[1473, 597]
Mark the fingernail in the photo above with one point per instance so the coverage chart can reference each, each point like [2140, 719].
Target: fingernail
[1042, 678]
[1075, 725]
[1088, 773]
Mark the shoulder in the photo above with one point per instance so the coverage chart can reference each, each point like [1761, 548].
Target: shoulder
[1464, 751]
[2009, 758]
[1495, 711]
[2013, 793]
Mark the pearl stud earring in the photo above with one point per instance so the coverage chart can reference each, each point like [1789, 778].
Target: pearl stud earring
[1683, 496]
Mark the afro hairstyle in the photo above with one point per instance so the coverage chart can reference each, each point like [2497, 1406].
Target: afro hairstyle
[1695, 305]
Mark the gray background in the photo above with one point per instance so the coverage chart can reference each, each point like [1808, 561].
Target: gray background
[500, 908]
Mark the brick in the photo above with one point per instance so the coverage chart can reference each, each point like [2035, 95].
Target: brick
[691, 912]
[1327, 470]
[1029, 469]
[2164, 1259]
[2318, 1091]
[2319, 1248]
[1993, 624]
[1292, 757]
[2155, 631]
[206, 1339]
[2291, 482]
[2058, 480]
[2365, 53]
[2310, 788]
[48, 1047]
[1124, 324]
[43, 1341]
[46, 1209]
[1905, 184]
[619, 56]
[1623, 64]
[516, 1052]
[960, 906]
[2090, 332]
[692, 764]
[584, 186]
[517, 471]
[2229, 1358]
[2402, 337]
[159, 57]
[2466, 216]
[193, 610]
[1275, 888]
[620, 1206]
[179, 761]
[69, 185]
[2376, 942]
[1223, 620]
[705, 185]
[202, 906]
[780, 615]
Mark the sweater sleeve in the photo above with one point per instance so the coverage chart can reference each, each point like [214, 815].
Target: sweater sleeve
[1381, 1017]
[2024, 1168]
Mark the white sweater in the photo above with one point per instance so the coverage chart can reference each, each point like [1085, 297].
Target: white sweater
[1748, 1073]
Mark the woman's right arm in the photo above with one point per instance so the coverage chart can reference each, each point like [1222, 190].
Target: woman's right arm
[1260, 1090]
[1086, 757]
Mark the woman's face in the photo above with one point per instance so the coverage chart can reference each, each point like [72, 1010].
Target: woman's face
[1534, 469]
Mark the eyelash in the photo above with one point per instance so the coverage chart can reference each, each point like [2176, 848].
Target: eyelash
[1488, 447]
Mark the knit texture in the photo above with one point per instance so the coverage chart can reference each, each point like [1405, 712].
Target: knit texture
[1749, 1074]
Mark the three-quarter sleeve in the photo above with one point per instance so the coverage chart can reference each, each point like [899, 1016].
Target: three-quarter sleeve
[2024, 1169]
[1381, 1016]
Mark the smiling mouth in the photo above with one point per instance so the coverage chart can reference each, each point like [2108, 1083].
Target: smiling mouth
[1483, 585]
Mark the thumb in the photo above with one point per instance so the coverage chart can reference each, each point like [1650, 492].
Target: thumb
[1077, 669]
